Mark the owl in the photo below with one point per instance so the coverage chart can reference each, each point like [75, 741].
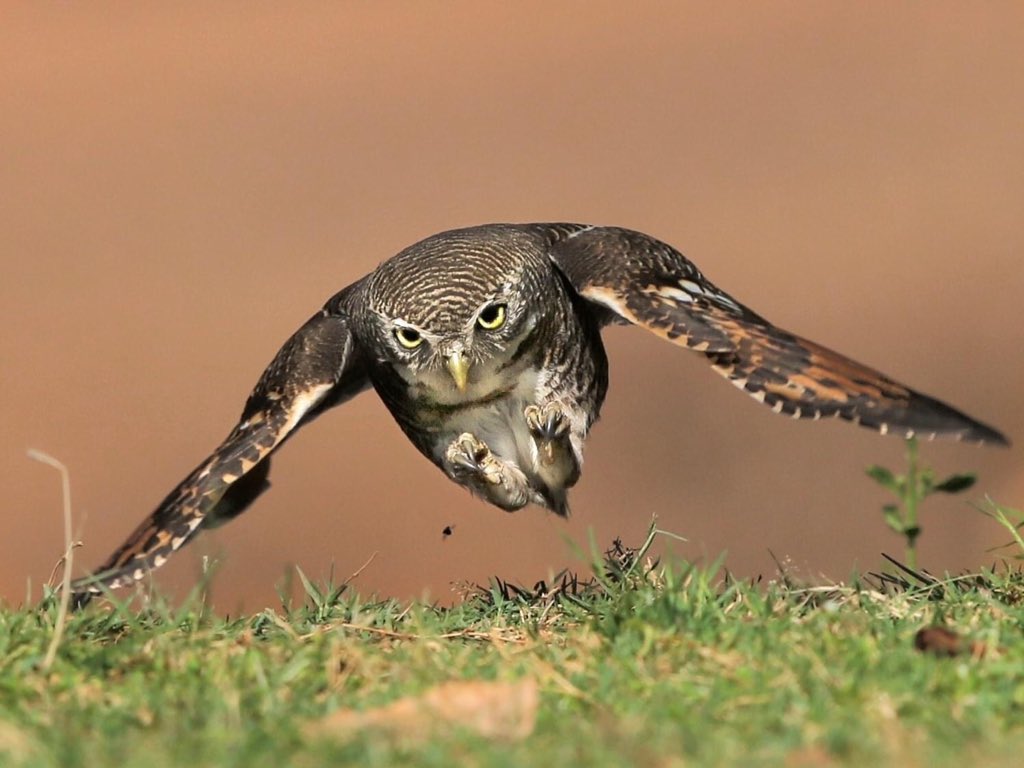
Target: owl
[485, 345]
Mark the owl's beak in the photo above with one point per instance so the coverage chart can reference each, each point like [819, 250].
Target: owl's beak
[458, 367]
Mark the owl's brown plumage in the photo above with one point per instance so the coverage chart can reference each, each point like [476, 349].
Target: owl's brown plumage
[484, 344]
[650, 284]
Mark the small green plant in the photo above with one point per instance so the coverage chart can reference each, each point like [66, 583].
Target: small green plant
[1011, 519]
[911, 489]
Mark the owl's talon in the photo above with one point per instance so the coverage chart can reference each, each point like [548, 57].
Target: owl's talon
[546, 422]
[471, 457]
[471, 463]
[462, 461]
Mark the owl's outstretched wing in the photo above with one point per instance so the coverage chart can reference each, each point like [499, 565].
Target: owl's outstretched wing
[648, 283]
[318, 367]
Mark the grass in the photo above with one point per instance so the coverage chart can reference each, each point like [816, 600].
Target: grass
[639, 664]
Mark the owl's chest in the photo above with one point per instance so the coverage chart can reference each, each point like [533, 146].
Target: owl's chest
[498, 420]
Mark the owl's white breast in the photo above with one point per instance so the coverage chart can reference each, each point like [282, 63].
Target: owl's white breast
[497, 421]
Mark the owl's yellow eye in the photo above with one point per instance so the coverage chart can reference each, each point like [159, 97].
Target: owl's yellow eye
[491, 317]
[408, 337]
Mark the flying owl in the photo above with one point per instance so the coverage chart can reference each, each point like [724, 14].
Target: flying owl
[485, 345]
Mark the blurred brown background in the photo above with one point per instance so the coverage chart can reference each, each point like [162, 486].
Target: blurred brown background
[180, 187]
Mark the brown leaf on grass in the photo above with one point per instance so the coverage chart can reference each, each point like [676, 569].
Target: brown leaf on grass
[941, 641]
[809, 757]
[505, 711]
[15, 744]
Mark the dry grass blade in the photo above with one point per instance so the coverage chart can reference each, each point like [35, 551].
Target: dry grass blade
[65, 593]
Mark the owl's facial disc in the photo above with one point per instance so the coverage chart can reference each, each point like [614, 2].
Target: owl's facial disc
[460, 355]
[490, 317]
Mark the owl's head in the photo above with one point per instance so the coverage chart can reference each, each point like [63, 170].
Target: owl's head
[452, 313]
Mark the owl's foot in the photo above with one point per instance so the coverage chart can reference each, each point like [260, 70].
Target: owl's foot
[546, 422]
[470, 462]
[557, 463]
